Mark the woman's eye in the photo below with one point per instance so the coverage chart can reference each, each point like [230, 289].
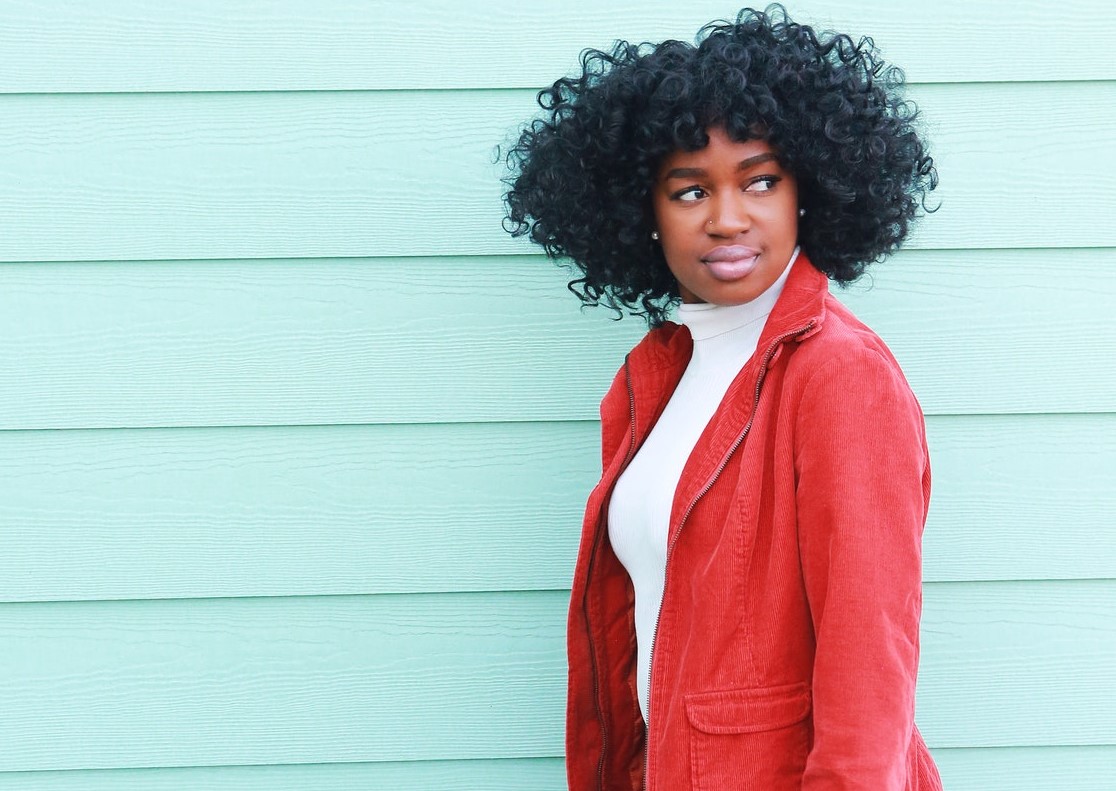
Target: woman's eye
[689, 194]
[762, 184]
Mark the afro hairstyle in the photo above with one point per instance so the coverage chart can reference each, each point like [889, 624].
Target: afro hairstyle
[580, 177]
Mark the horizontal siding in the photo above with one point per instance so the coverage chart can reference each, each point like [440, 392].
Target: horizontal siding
[455, 676]
[205, 343]
[399, 173]
[182, 598]
[1010, 664]
[1022, 497]
[370, 509]
[1006, 331]
[1027, 768]
[286, 343]
[317, 510]
[536, 774]
[131, 45]
[298, 680]
[965, 769]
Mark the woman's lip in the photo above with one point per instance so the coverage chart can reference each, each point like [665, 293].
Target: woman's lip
[731, 262]
[732, 269]
[733, 252]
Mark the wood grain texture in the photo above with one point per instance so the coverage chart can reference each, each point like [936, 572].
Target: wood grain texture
[202, 513]
[349, 423]
[316, 510]
[302, 680]
[398, 173]
[997, 328]
[1030, 768]
[977, 769]
[1022, 497]
[339, 679]
[535, 774]
[1013, 664]
[207, 45]
[209, 343]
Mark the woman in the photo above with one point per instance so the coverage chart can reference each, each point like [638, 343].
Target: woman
[746, 600]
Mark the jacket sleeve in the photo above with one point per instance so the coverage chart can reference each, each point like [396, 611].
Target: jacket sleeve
[862, 490]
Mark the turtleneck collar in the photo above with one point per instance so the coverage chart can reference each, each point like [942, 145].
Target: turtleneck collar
[707, 321]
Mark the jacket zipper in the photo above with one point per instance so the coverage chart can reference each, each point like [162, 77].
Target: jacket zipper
[589, 576]
[682, 522]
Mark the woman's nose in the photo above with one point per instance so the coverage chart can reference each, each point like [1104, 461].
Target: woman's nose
[727, 218]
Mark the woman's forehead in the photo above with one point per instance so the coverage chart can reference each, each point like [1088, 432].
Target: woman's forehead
[721, 149]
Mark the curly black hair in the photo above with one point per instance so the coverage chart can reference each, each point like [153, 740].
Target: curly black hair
[581, 176]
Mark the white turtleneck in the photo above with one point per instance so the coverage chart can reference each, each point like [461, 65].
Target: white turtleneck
[725, 337]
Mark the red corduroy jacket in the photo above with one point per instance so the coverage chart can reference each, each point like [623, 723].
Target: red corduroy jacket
[786, 648]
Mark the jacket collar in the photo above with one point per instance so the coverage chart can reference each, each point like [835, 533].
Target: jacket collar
[802, 304]
[656, 365]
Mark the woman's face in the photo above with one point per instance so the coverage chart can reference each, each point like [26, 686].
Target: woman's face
[727, 217]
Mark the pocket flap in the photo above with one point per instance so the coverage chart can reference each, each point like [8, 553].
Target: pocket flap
[748, 710]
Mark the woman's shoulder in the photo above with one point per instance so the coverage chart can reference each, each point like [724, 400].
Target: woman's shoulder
[665, 346]
[844, 337]
[662, 339]
[846, 359]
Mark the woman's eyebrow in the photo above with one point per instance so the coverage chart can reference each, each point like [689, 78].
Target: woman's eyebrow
[684, 173]
[744, 164]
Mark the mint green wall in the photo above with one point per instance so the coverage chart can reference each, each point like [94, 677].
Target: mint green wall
[293, 440]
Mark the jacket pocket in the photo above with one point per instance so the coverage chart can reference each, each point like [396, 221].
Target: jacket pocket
[753, 739]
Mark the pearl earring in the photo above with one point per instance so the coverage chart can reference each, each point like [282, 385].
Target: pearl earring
[801, 212]
[655, 235]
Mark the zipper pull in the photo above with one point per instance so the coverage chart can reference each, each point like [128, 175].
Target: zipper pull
[807, 331]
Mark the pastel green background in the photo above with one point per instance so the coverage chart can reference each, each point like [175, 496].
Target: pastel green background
[294, 440]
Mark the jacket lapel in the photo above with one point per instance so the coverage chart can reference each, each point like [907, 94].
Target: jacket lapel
[797, 314]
